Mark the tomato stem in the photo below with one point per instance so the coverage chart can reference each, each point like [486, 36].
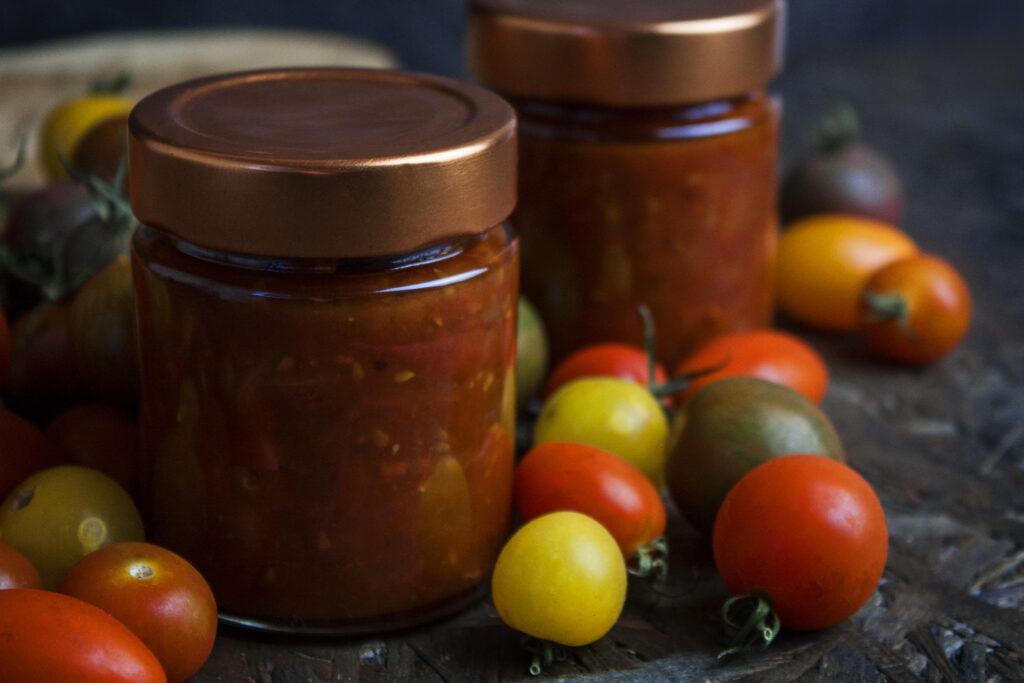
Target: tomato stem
[16, 165]
[651, 561]
[838, 129]
[675, 384]
[545, 653]
[750, 623]
[890, 307]
[111, 85]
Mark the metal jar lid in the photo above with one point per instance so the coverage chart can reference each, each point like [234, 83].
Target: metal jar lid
[625, 52]
[322, 162]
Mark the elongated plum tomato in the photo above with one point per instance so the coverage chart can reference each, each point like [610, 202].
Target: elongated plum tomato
[610, 413]
[915, 310]
[47, 637]
[16, 571]
[610, 359]
[573, 476]
[772, 355]
[157, 594]
[561, 577]
[808, 531]
[824, 262]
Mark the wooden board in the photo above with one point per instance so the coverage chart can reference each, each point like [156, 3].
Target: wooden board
[34, 78]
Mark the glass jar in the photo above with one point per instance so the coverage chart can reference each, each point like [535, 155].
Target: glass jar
[648, 154]
[326, 290]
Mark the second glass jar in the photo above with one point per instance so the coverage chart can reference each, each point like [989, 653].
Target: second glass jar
[648, 153]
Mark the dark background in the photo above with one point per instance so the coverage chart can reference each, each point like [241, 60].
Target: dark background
[427, 34]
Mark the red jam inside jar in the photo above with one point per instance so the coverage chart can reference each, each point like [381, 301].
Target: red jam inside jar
[647, 162]
[329, 438]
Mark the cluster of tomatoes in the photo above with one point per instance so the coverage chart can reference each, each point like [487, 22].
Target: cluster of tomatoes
[845, 265]
[740, 446]
[82, 596]
[736, 440]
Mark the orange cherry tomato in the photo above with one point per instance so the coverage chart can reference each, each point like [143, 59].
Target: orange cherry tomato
[16, 571]
[157, 594]
[915, 310]
[574, 476]
[825, 260]
[772, 355]
[47, 637]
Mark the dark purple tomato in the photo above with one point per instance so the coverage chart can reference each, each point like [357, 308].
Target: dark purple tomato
[843, 175]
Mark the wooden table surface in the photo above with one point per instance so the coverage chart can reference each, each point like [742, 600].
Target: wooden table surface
[943, 446]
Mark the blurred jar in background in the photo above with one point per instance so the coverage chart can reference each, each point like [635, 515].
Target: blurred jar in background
[648, 152]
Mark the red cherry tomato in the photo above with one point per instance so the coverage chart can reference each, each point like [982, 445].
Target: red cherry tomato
[772, 355]
[157, 594]
[26, 450]
[47, 637]
[16, 571]
[808, 531]
[915, 310]
[604, 360]
[100, 436]
[572, 476]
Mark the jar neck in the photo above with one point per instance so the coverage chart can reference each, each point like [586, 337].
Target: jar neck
[586, 121]
[429, 254]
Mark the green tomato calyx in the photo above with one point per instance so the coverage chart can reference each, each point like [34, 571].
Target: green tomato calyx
[545, 653]
[750, 623]
[650, 562]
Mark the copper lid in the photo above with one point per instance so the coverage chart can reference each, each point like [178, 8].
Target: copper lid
[322, 162]
[625, 52]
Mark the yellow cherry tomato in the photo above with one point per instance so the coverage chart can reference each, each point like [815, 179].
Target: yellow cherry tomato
[614, 414]
[61, 514]
[561, 578]
[824, 262]
[70, 122]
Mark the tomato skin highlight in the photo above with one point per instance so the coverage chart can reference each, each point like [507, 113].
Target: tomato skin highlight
[808, 531]
[16, 571]
[936, 310]
[772, 355]
[47, 637]
[59, 515]
[604, 360]
[571, 476]
[157, 594]
[824, 262]
[560, 577]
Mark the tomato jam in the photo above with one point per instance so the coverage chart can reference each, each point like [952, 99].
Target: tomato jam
[327, 419]
[647, 162]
